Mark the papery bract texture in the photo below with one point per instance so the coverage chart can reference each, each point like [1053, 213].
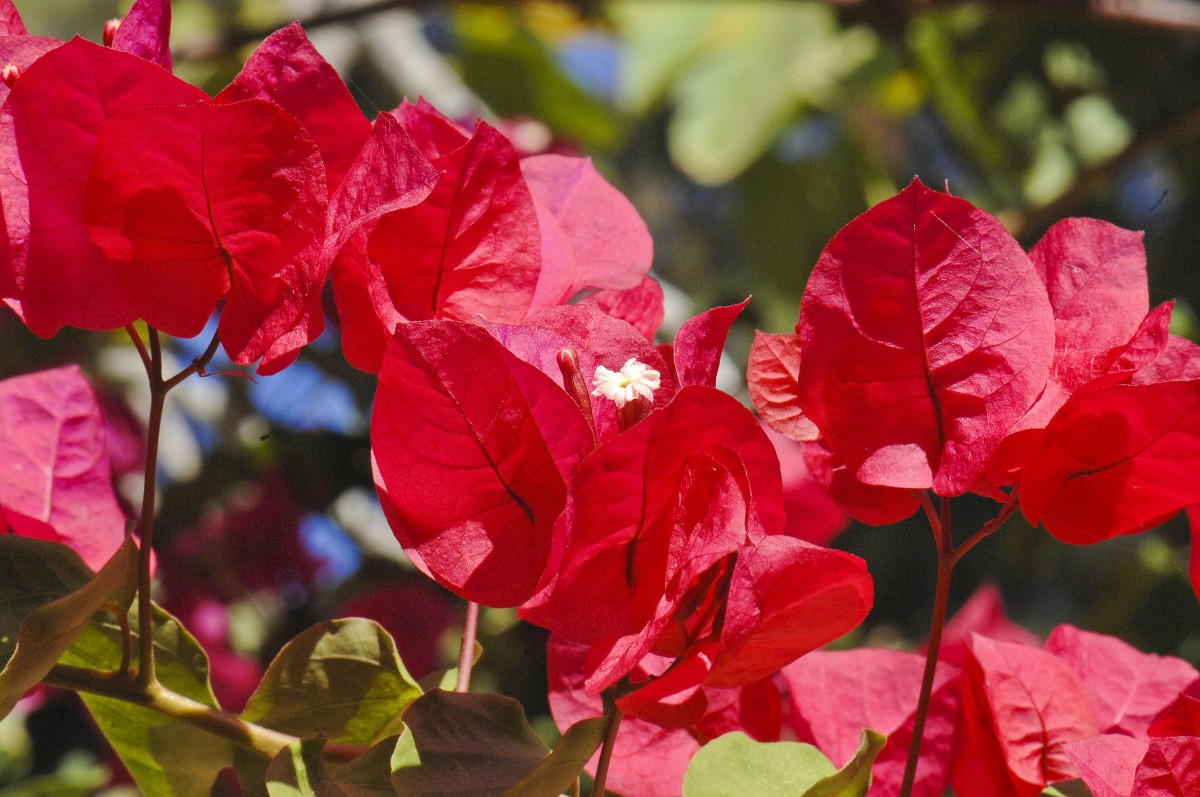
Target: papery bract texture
[10, 20]
[287, 70]
[48, 131]
[926, 335]
[1095, 275]
[700, 341]
[868, 503]
[197, 203]
[473, 247]
[1171, 768]
[1116, 460]
[1107, 763]
[146, 32]
[55, 481]
[1128, 688]
[1182, 716]
[1020, 706]
[592, 237]
[473, 450]
[773, 378]
[787, 597]
[654, 508]
[641, 306]
[835, 694]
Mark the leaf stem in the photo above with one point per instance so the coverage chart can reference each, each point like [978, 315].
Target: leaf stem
[158, 396]
[466, 654]
[606, 752]
[948, 556]
[942, 599]
[156, 697]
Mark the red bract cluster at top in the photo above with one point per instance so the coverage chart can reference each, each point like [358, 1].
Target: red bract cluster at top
[131, 195]
[932, 352]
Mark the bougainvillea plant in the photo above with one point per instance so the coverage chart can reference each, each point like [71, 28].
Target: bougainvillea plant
[533, 448]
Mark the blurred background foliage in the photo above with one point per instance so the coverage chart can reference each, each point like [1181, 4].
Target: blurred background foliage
[747, 133]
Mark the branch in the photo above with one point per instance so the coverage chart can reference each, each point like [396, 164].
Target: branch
[156, 697]
[1183, 125]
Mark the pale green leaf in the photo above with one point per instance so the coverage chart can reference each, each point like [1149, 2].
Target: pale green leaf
[854, 779]
[342, 679]
[735, 765]
[166, 757]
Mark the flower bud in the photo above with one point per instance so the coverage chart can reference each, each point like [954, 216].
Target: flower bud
[10, 74]
[110, 31]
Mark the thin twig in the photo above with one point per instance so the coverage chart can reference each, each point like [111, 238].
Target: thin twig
[606, 752]
[466, 654]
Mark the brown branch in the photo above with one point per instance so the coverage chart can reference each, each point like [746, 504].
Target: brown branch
[1183, 125]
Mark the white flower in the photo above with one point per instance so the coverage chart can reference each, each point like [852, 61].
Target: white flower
[633, 380]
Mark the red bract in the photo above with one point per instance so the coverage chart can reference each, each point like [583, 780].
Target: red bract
[1108, 763]
[288, 70]
[1171, 768]
[866, 502]
[699, 343]
[55, 482]
[1020, 706]
[473, 449]
[146, 32]
[1116, 460]
[834, 695]
[642, 307]
[10, 20]
[773, 378]
[470, 249]
[591, 236]
[1127, 687]
[926, 334]
[48, 131]
[674, 547]
[199, 203]
[653, 509]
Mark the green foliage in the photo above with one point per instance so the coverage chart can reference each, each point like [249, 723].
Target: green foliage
[47, 597]
[165, 756]
[735, 764]
[738, 73]
[342, 678]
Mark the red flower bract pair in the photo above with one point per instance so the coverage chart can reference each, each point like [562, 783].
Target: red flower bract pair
[129, 194]
[666, 539]
[933, 353]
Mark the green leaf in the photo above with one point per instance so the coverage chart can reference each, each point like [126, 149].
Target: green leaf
[854, 779]
[562, 767]
[166, 757]
[735, 765]
[342, 678]
[465, 745]
[741, 71]
[47, 597]
[299, 772]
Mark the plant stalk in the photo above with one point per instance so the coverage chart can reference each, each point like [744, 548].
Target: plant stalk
[606, 752]
[156, 697]
[466, 654]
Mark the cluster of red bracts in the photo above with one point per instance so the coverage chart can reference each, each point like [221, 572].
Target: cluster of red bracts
[651, 532]
[933, 353]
